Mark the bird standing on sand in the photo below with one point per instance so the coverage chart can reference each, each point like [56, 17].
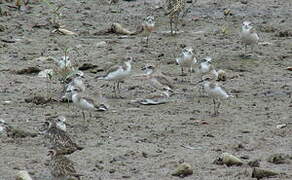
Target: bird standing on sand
[174, 8]
[118, 73]
[216, 93]
[248, 35]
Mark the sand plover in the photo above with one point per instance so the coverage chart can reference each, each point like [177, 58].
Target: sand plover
[74, 82]
[118, 73]
[186, 60]
[248, 35]
[216, 92]
[148, 27]
[85, 103]
[61, 167]
[58, 138]
[157, 79]
[204, 66]
[174, 8]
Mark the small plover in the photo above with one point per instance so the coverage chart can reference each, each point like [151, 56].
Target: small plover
[248, 35]
[148, 27]
[85, 103]
[215, 92]
[61, 167]
[186, 60]
[58, 138]
[174, 8]
[157, 79]
[118, 73]
[75, 83]
[204, 66]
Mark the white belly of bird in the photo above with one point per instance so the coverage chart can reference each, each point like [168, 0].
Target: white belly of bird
[249, 38]
[186, 61]
[120, 74]
[205, 68]
[218, 92]
[85, 104]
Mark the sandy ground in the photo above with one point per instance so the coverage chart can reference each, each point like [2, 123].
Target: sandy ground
[132, 141]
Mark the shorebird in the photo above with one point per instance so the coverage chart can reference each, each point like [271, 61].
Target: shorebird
[61, 167]
[75, 82]
[248, 35]
[204, 66]
[174, 8]
[157, 79]
[215, 92]
[118, 73]
[85, 103]
[59, 139]
[186, 60]
[148, 27]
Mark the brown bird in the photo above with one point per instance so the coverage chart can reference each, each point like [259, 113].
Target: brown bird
[174, 8]
[158, 80]
[59, 139]
[61, 167]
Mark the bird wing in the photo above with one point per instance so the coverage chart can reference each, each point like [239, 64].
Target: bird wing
[164, 80]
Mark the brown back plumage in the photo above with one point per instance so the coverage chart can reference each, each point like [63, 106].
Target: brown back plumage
[174, 7]
[61, 166]
[60, 140]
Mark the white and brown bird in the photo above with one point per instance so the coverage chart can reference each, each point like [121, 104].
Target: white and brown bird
[157, 79]
[174, 8]
[118, 73]
[58, 138]
[204, 66]
[248, 35]
[187, 60]
[148, 27]
[74, 82]
[216, 93]
[61, 167]
[89, 104]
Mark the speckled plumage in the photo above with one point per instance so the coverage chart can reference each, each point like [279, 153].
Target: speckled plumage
[174, 8]
[61, 167]
[60, 140]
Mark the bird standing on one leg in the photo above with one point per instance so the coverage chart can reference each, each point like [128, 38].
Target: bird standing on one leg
[174, 8]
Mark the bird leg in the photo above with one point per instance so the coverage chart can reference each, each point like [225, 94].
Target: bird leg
[83, 114]
[215, 111]
[218, 106]
[171, 22]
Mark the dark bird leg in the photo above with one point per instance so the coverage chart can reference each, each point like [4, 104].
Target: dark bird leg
[83, 114]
